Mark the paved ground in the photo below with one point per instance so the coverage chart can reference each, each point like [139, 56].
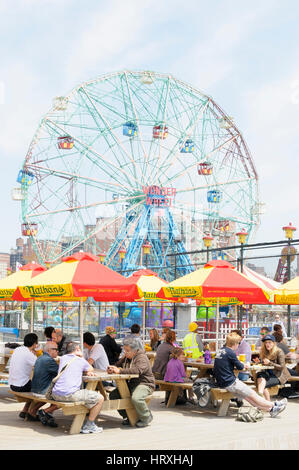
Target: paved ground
[184, 427]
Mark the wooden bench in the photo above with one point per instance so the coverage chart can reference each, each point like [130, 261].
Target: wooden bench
[78, 409]
[174, 388]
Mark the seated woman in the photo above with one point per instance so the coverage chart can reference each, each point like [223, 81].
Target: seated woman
[162, 356]
[154, 337]
[280, 342]
[175, 371]
[271, 355]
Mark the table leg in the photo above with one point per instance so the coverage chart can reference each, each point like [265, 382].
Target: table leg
[172, 398]
[125, 393]
[77, 423]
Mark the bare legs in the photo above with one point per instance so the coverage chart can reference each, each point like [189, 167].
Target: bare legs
[260, 402]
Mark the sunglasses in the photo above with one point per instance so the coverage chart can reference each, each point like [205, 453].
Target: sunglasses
[263, 334]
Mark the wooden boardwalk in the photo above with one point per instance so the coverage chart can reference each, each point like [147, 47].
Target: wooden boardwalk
[182, 427]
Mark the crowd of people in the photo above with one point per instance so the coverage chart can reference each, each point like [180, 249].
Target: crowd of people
[64, 377]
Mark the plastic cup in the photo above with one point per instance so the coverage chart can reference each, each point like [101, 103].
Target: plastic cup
[213, 354]
[253, 347]
[242, 358]
[292, 349]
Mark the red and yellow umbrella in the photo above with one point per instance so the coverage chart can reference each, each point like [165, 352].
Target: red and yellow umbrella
[218, 280]
[79, 276]
[26, 273]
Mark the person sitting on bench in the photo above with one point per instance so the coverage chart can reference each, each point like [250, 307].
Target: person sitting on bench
[20, 370]
[225, 362]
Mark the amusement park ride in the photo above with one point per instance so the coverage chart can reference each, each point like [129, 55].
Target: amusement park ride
[135, 157]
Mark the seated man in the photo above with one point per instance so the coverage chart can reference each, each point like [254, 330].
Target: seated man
[45, 369]
[61, 340]
[20, 370]
[94, 354]
[225, 362]
[135, 361]
[243, 348]
[68, 386]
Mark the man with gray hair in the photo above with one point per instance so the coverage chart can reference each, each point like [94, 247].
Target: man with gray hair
[135, 361]
[45, 369]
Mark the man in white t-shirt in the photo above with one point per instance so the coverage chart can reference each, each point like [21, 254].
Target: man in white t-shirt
[94, 354]
[20, 370]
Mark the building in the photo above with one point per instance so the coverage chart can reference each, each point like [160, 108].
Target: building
[4, 264]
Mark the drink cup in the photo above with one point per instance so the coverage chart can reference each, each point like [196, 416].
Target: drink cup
[292, 349]
[253, 347]
[242, 358]
[213, 354]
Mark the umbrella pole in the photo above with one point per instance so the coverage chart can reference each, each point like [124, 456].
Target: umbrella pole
[236, 315]
[217, 324]
[81, 324]
[32, 316]
[143, 323]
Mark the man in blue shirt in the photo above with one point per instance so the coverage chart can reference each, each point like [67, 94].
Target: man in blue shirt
[45, 369]
[225, 362]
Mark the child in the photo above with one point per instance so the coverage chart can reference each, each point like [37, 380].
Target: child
[175, 371]
[225, 362]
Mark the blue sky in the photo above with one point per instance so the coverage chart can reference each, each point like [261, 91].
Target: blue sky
[245, 55]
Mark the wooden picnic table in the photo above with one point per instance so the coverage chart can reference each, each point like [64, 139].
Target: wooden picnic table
[124, 403]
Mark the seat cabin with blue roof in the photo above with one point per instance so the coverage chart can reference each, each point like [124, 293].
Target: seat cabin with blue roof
[160, 131]
[130, 129]
[188, 146]
[65, 142]
[205, 168]
[25, 177]
[214, 196]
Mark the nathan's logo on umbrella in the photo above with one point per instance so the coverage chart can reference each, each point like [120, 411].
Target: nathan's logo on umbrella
[46, 291]
[183, 291]
[150, 295]
[6, 293]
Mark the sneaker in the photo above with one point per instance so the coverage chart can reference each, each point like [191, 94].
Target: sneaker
[277, 409]
[126, 422]
[51, 421]
[42, 417]
[90, 428]
[283, 401]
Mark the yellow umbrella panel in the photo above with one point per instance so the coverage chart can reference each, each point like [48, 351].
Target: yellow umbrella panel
[288, 294]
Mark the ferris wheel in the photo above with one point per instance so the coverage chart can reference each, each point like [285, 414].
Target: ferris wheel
[135, 158]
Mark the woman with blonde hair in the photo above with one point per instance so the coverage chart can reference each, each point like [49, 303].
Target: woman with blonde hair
[271, 355]
[154, 337]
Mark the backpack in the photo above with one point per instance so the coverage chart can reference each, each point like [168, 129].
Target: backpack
[202, 389]
[249, 414]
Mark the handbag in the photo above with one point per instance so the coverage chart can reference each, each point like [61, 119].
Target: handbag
[48, 394]
[249, 414]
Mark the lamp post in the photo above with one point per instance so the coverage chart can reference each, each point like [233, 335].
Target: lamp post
[289, 232]
[242, 240]
[207, 239]
[122, 254]
[146, 248]
[177, 238]
[102, 257]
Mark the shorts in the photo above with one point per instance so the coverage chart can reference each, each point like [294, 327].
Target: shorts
[89, 397]
[239, 389]
[270, 377]
[24, 388]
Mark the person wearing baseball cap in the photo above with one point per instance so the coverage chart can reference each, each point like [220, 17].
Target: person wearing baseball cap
[111, 347]
[192, 343]
[271, 355]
